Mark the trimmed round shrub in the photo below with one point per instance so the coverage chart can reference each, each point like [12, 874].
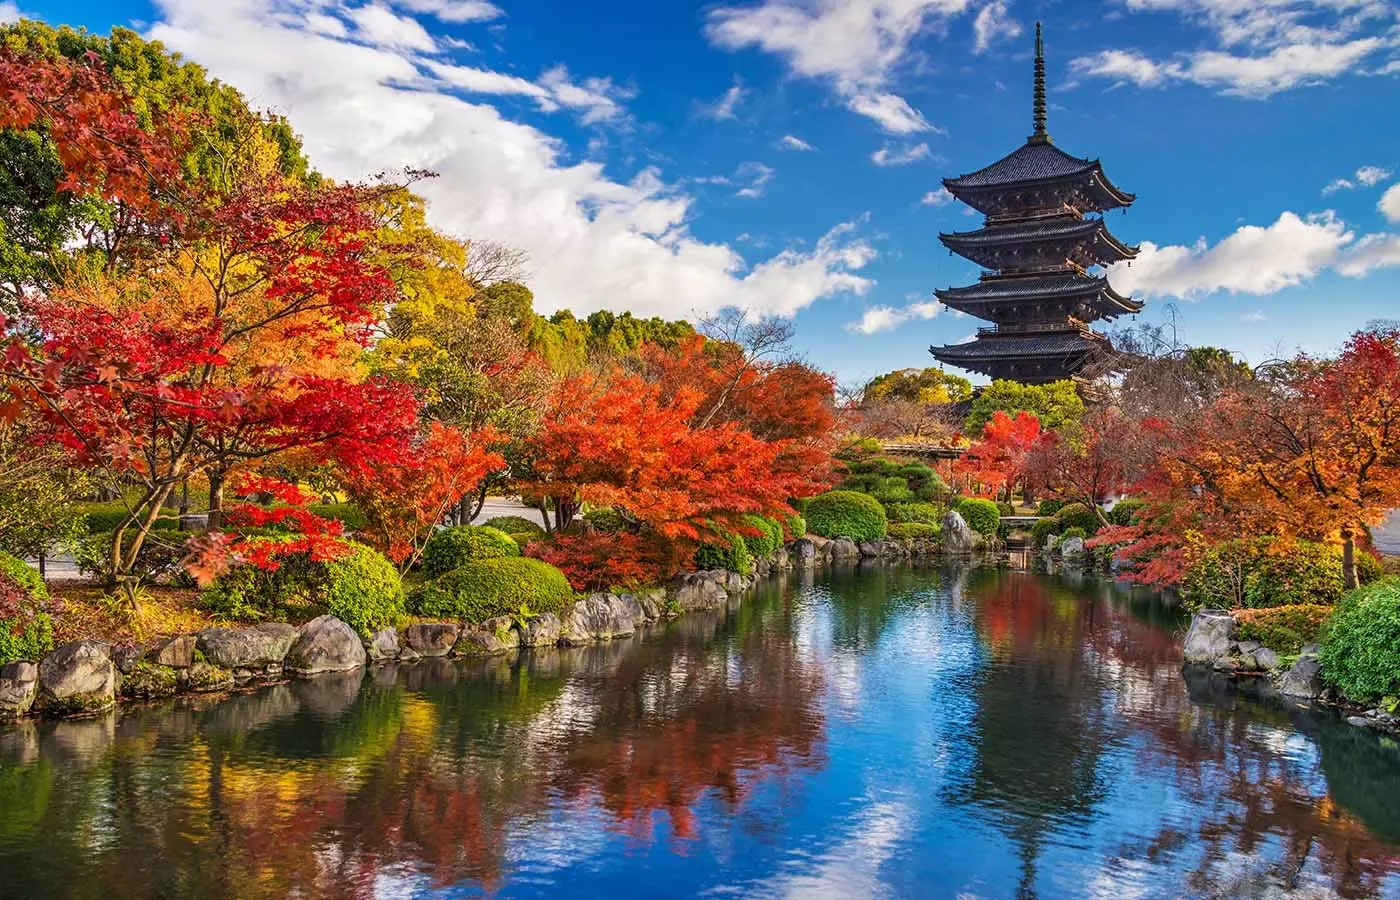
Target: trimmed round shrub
[1077, 515]
[797, 526]
[1074, 533]
[451, 547]
[982, 516]
[362, 589]
[1049, 507]
[922, 513]
[1042, 529]
[1262, 572]
[847, 514]
[1283, 628]
[913, 531]
[26, 632]
[892, 490]
[1361, 642]
[513, 525]
[605, 519]
[735, 557]
[1125, 511]
[523, 538]
[768, 539]
[487, 588]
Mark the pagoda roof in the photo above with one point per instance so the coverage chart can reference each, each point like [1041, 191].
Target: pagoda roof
[1037, 161]
[973, 244]
[1006, 345]
[996, 290]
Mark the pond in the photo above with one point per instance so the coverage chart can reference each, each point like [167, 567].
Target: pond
[891, 732]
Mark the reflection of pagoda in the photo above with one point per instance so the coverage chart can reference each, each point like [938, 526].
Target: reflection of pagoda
[1040, 248]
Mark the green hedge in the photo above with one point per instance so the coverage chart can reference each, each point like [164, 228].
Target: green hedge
[912, 531]
[1361, 642]
[26, 632]
[488, 588]
[1283, 628]
[514, 525]
[1042, 529]
[451, 547]
[1049, 507]
[1125, 511]
[982, 516]
[847, 514]
[605, 519]
[1074, 533]
[108, 514]
[1077, 515]
[733, 556]
[892, 490]
[796, 525]
[363, 590]
[1254, 573]
[768, 539]
[922, 513]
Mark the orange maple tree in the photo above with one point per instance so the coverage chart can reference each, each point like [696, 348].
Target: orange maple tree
[999, 459]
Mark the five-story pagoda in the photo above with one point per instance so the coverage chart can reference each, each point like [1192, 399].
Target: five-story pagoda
[1040, 248]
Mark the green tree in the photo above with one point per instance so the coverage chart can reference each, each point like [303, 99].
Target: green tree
[927, 386]
[1056, 404]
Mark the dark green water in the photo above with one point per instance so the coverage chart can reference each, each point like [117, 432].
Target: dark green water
[885, 733]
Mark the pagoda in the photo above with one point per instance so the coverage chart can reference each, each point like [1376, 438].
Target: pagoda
[1041, 239]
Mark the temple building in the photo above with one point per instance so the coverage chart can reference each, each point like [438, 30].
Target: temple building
[1041, 239]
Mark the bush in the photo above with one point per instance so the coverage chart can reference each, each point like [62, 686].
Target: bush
[768, 539]
[797, 526]
[108, 514]
[159, 558]
[593, 561]
[922, 513]
[451, 547]
[847, 514]
[523, 538]
[733, 556]
[1074, 533]
[913, 531]
[1049, 507]
[982, 516]
[347, 514]
[1125, 511]
[891, 490]
[605, 519]
[487, 588]
[1264, 572]
[514, 525]
[26, 632]
[1042, 529]
[1361, 642]
[1077, 515]
[362, 589]
[1283, 628]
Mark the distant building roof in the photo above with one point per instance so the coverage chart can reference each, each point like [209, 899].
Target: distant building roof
[1011, 289]
[1006, 344]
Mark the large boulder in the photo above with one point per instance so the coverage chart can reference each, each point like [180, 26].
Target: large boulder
[646, 607]
[600, 617]
[176, 652]
[326, 644]
[1210, 637]
[698, 590]
[958, 538]
[492, 638]
[383, 644]
[1072, 549]
[147, 680]
[204, 678]
[19, 684]
[253, 648]
[77, 679]
[844, 550]
[1303, 680]
[804, 552]
[432, 638]
[541, 631]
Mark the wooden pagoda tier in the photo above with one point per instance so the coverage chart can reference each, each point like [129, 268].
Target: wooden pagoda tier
[1039, 248]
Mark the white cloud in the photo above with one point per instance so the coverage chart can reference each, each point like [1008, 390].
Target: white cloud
[8, 13]
[789, 142]
[595, 241]
[376, 25]
[992, 24]
[940, 197]
[596, 97]
[454, 10]
[724, 107]
[757, 176]
[855, 45]
[886, 318]
[1372, 175]
[1374, 251]
[1390, 203]
[1252, 260]
[886, 156]
[1338, 184]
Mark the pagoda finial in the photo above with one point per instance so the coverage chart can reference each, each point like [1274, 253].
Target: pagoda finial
[1040, 136]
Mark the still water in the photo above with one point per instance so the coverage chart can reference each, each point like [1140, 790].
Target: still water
[882, 733]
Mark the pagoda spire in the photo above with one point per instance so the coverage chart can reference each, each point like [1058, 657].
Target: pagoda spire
[1040, 136]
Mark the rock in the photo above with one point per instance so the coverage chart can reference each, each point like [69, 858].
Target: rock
[871, 549]
[203, 678]
[383, 644]
[958, 538]
[326, 644]
[696, 590]
[734, 583]
[76, 679]
[125, 657]
[804, 553]
[1210, 637]
[148, 680]
[541, 631]
[1073, 548]
[1303, 680]
[844, 550]
[432, 638]
[646, 607]
[1359, 721]
[1266, 658]
[600, 617]
[781, 560]
[19, 684]
[247, 648]
[492, 638]
[1249, 646]
[176, 652]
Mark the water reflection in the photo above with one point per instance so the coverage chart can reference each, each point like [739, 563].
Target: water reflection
[885, 732]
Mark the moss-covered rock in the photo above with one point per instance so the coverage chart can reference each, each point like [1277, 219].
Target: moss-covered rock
[148, 680]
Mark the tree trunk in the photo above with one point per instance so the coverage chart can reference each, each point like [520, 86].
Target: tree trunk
[216, 498]
[1349, 577]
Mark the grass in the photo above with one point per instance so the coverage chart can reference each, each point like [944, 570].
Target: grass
[82, 610]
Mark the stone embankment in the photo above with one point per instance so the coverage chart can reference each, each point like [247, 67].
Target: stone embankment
[88, 677]
[1212, 642]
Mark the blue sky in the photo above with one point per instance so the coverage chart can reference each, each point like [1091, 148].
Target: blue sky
[785, 155]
